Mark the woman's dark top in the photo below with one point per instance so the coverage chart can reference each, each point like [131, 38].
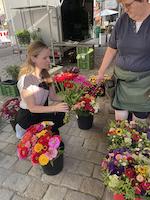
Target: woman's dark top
[133, 48]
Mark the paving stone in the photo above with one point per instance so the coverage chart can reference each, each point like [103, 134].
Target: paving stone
[85, 168]
[10, 149]
[53, 179]
[55, 193]
[22, 166]
[72, 181]
[91, 143]
[97, 173]
[64, 129]
[4, 136]
[16, 197]
[78, 153]
[94, 157]
[36, 171]
[103, 147]
[7, 161]
[65, 139]
[3, 145]
[17, 182]
[36, 190]
[70, 164]
[93, 187]
[76, 141]
[108, 195]
[4, 173]
[5, 194]
[74, 131]
[12, 139]
[73, 195]
[85, 134]
[7, 128]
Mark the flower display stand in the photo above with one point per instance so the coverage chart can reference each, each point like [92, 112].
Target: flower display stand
[56, 166]
[85, 121]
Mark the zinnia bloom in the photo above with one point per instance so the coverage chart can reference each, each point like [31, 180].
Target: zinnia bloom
[38, 147]
[23, 152]
[41, 133]
[52, 153]
[140, 178]
[43, 159]
[54, 142]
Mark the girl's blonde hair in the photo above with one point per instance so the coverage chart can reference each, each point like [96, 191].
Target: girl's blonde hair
[33, 50]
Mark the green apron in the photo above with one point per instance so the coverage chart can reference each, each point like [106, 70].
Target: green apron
[132, 91]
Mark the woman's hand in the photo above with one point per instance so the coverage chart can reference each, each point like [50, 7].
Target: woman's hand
[60, 107]
[100, 77]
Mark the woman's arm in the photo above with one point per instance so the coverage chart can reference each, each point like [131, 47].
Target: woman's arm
[108, 58]
[30, 101]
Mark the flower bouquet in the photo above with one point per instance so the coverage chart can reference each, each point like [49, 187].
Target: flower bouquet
[126, 175]
[10, 109]
[84, 109]
[134, 135]
[71, 87]
[43, 147]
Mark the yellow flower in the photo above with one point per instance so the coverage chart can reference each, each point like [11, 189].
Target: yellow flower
[143, 170]
[118, 131]
[38, 147]
[42, 133]
[43, 159]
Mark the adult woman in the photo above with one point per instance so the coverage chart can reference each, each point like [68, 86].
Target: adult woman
[35, 86]
[130, 44]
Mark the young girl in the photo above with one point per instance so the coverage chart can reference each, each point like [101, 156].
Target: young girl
[35, 86]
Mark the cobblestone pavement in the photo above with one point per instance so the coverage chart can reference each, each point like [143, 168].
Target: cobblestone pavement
[81, 176]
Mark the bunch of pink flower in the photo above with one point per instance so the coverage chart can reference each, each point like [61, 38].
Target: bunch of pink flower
[10, 109]
[40, 144]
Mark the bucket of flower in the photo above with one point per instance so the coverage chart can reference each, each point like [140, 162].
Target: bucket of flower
[43, 147]
[85, 109]
[9, 111]
[126, 168]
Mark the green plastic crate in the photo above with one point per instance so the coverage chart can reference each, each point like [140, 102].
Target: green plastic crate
[85, 60]
[82, 49]
[8, 90]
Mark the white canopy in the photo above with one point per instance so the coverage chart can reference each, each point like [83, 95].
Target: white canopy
[108, 12]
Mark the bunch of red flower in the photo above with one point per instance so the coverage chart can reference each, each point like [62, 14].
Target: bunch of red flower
[85, 105]
[64, 77]
[10, 108]
[40, 144]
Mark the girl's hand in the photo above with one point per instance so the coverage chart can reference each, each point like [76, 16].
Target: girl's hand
[61, 107]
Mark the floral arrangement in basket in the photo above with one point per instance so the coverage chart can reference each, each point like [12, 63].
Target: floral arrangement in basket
[85, 106]
[40, 144]
[134, 135]
[126, 168]
[127, 174]
[10, 109]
